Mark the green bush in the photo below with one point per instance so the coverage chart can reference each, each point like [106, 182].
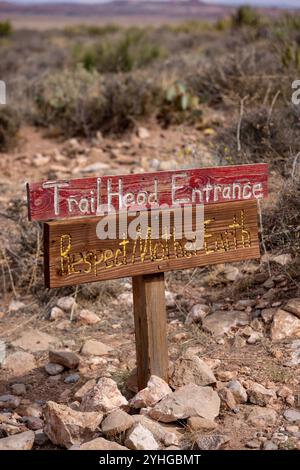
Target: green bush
[9, 127]
[5, 28]
[246, 16]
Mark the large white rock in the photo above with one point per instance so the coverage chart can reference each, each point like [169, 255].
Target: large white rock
[162, 433]
[221, 322]
[190, 400]
[259, 395]
[95, 348]
[116, 422]
[140, 438]
[105, 397]
[22, 441]
[262, 417]
[19, 363]
[238, 391]
[35, 341]
[87, 317]
[284, 325]
[156, 389]
[191, 369]
[66, 427]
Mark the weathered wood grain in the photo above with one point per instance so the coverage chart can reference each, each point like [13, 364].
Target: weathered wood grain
[84, 197]
[150, 327]
[74, 254]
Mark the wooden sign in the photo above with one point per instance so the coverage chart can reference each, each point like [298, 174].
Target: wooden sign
[75, 255]
[88, 197]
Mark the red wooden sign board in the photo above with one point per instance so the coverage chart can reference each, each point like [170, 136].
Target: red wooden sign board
[88, 197]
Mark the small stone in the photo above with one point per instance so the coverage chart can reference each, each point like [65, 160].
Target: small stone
[231, 273]
[40, 438]
[195, 423]
[212, 442]
[16, 305]
[35, 341]
[9, 401]
[196, 314]
[105, 397]
[284, 391]
[269, 445]
[283, 259]
[96, 153]
[268, 314]
[259, 395]
[284, 325]
[30, 409]
[87, 317]
[66, 427]
[293, 306]
[22, 441]
[18, 389]
[262, 417]
[255, 337]
[291, 429]
[95, 348]
[56, 313]
[170, 299]
[238, 391]
[226, 375]
[64, 325]
[33, 423]
[95, 167]
[53, 369]
[187, 401]
[227, 398]
[85, 389]
[2, 351]
[100, 444]
[143, 133]
[140, 438]
[156, 389]
[116, 422]
[221, 322]
[67, 359]
[72, 379]
[160, 432]
[253, 444]
[293, 416]
[191, 369]
[66, 304]
[19, 363]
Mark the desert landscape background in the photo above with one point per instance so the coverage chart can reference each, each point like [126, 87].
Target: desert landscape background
[130, 88]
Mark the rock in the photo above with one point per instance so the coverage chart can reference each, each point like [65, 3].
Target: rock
[227, 398]
[66, 427]
[187, 401]
[56, 313]
[293, 306]
[19, 363]
[18, 389]
[143, 133]
[35, 341]
[284, 325]
[231, 273]
[16, 305]
[253, 444]
[40, 437]
[262, 417]
[268, 314]
[238, 391]
[255, 337]
[101, 444]
[2, 351]
[53, 369]
[30, 409]
[167, 165]
[66, 304]
[242, 304]
[140, 438]
[161, 433]
[294, 359]
[291, 415]
[87, 317]
[95, 348]
[68, 359]
[191, 369]
[95, 167]
[33, 423]
[221, 322]
[116, 422]
[226, 375]
[72, 379]
[212, 442]
[131, 383]
[105, 397]
[85, 389]
[259, 395]
[9, 401]
[96, 153]
[196, 314]
[22, 441]
[156, 389]
[170, 299]
[283, 259]
[269, 445]
[195, 423]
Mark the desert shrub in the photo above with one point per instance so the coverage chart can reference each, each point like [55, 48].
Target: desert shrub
[265, 135]
[74, 101]
[132, 50]
[9, 127]
[246, 16]
[5, 28]
[91, 30]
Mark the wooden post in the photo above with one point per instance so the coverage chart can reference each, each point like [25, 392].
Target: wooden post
[150, 327]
